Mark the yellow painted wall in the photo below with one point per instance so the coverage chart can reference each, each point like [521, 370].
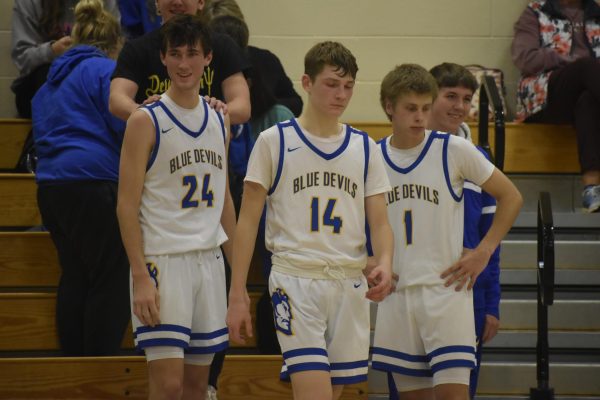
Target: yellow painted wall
[380, 33]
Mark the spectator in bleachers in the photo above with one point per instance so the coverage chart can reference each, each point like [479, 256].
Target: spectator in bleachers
[270, 67]
[138, 17]
[267, 108]
[40, 32]
[78, 144]
[557, 49]
[448, 113]
[140, 73]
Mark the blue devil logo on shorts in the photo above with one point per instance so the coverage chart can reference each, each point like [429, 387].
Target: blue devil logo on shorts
[282, 311]
[153, 271]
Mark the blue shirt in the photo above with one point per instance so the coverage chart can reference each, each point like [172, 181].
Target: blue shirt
[76, 137]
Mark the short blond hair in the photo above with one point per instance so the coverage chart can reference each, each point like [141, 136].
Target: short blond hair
[405, 79]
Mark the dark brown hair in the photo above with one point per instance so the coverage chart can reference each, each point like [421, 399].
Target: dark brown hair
[53, 11]
[329, 53]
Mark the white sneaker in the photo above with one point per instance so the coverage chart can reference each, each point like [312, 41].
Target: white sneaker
[211, 393]
[591, 198]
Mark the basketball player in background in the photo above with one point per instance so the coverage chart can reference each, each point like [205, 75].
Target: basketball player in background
[175, 211]
[450, 108]
[320, 179]
[425, 334]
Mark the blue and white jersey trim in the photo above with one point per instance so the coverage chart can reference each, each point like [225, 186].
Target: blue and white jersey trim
[468, 185]
[489, 210]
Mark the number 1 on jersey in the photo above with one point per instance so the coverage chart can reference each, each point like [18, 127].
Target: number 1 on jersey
[408, 226]
[328, 218]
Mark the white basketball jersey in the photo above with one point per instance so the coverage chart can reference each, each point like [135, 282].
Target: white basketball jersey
[425, 213]
[315, 207]
[184, 189]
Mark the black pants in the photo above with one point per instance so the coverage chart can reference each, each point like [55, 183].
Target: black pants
[26, 88]
[574, 98]
[92, 305]
[217, 363]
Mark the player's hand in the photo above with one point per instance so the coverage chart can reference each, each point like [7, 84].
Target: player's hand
[491, 328]
[216, 104]
[61, 45]
[380, 282]
[152, 99]
[146, 301]
[466, 270]
[238, 317]
[371, 264]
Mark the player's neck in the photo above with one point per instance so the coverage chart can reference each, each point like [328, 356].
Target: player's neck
[319, 124]
[441, 127]
[406, 141]
[184, 98]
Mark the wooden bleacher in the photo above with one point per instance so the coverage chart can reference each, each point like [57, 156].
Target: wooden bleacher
[28, 322]
[530, 148]
[13, 132]
[18, 201]
[243, 378]
[29, 270]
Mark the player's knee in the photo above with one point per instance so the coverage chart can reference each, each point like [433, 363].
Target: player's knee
[451, 391]
[170, 387]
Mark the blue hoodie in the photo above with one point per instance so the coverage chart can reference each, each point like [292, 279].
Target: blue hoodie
[76, 137]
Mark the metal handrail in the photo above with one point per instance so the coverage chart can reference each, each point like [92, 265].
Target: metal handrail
[545, 295]
[489, 93]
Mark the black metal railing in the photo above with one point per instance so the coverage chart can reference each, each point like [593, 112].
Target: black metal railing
[488, 93]
[545, 295]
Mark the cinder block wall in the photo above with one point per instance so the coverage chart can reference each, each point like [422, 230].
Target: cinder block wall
[7, 68]
[381, 34]
[384, 33]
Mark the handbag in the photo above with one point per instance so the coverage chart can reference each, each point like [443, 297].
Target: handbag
[479, 71]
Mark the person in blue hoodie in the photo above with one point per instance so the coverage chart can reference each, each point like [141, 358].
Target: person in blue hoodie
[78, 144]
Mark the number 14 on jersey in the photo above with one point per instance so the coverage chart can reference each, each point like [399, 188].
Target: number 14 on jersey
[327, 219]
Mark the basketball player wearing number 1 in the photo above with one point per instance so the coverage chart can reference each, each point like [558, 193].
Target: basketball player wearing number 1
[424, 333]
[320, 179]
[175, 211]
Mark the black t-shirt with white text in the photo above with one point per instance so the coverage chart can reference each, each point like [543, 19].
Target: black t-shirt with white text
[139, 61]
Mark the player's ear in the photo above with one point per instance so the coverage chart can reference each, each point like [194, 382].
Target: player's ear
[389, 107]
[306, 82]
[162, 58]
[208, 57]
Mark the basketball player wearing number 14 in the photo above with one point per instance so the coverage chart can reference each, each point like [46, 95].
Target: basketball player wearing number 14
[175, 210]
[424, 333]
[320, 179]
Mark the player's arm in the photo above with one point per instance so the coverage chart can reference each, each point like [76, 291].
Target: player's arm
[508, 204]
[492, 287]
[138, 142]
[382, 241]
[228, 215]
[237, 96]
[121, 101]
[238, 312]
